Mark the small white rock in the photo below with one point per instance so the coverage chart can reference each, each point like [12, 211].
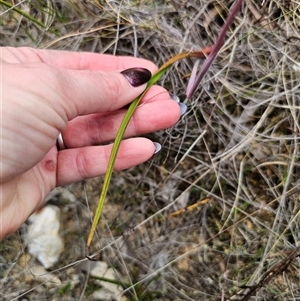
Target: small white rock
[109, 291]
[40, 273]
[43, 240]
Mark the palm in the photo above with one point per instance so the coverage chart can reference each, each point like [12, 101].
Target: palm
[25, 193]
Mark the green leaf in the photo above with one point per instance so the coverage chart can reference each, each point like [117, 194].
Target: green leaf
[154, 79]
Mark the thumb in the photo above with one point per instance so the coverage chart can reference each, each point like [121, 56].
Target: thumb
[94, 92]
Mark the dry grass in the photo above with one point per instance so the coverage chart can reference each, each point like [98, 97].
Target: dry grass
[238, 145]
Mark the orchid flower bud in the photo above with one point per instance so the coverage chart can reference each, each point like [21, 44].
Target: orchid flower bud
[196, 79]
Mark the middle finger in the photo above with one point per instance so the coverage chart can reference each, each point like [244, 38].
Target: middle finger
[157, 111]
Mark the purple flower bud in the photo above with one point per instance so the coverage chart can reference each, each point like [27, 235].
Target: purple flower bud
[196, 79]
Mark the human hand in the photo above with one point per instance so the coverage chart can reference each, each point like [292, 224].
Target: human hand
[80, 95]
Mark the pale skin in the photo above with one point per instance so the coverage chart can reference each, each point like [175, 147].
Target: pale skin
[80, 95]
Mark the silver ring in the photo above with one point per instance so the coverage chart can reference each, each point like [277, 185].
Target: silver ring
[60, 142]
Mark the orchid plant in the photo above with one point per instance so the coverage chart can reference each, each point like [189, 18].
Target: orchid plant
[193, 84]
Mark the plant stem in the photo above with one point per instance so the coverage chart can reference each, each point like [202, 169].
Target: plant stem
[154, 79]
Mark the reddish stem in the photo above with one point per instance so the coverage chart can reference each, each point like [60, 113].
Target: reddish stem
[195, 81]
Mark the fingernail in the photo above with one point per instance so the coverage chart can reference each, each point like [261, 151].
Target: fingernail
[175, 97]
[137, 76]
[157, 147]
[183, 107]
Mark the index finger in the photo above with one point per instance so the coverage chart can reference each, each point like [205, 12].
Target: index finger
[94, 61]
[74, 60]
